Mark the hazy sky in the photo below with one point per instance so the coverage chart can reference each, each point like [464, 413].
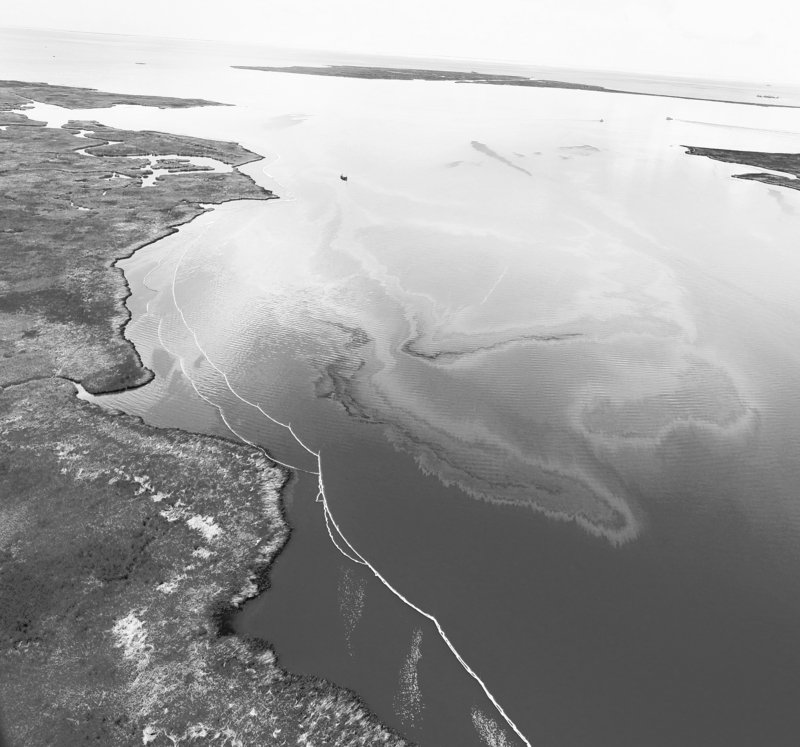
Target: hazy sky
[728, 38]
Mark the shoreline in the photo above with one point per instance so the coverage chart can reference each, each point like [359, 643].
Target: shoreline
[474, 78]
[114, 265]
[126, 547]
[787, 163]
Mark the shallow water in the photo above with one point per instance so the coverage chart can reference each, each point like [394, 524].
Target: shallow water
[549, 363]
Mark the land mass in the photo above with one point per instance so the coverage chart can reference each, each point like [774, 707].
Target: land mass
[125, 549]
[398, 73]
[788, 163]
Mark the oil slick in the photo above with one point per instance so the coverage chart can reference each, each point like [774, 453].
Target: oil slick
[546, 345]
[338, 539]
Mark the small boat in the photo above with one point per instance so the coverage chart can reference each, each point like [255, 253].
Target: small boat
[343, 177]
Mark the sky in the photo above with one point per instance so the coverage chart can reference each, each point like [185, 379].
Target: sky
[700, 38]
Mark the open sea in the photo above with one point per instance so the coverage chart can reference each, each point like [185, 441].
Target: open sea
[537, 372]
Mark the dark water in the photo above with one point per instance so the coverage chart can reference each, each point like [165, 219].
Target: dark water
[687, 636]
[556, 408]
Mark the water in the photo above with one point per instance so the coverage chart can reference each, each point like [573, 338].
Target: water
[549, 363]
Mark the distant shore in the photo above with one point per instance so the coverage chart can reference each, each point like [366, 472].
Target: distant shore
[490, 79]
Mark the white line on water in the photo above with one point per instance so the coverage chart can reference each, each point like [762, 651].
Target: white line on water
[219, 407]
[356, 556]
[211, 363]
[469, 670]
[494, 287]
[333, 539]
[233, 430]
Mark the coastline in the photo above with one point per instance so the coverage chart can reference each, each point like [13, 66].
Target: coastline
[475, 78]
[788, 163]
[125, 548]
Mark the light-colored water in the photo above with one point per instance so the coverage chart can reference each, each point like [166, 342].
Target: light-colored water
[549, 362]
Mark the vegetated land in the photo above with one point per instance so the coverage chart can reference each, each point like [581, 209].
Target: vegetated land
[789, 163]
[16, 92]
[179, 164]
[124, 548]
[399, 73]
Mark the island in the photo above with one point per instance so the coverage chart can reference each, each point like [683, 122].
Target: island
[472, 77]
[125, 549]
[787, 163]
